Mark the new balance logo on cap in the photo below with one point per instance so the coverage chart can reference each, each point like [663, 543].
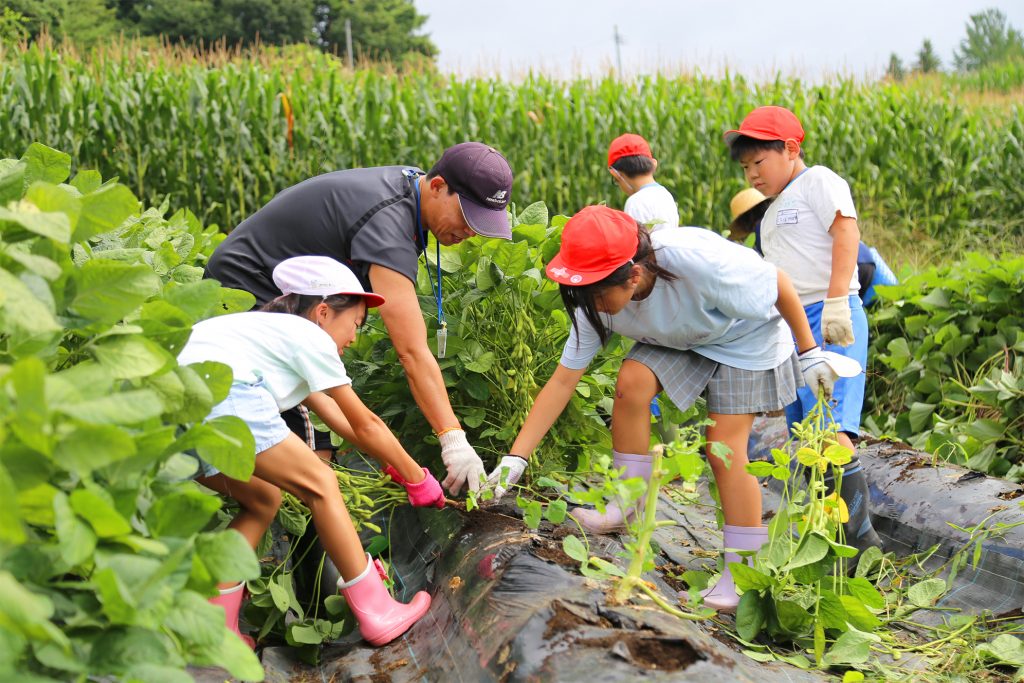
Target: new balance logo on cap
[498, 197]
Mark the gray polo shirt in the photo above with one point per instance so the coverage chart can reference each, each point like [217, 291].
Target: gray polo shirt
[360, 217]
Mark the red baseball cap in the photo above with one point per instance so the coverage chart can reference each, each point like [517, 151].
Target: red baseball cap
[628, 145]
[768, 123]
[595, 242]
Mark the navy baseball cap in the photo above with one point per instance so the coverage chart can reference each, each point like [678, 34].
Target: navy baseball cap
[482, 179]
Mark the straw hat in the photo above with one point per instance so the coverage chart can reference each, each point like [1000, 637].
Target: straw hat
[744, 201]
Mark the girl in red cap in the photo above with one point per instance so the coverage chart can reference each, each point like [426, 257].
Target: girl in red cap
[285, 354]
[709, 317]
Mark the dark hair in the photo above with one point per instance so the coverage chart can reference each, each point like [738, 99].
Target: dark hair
[635, 165]
[302, 304]
[583, 297]
[748, 220]
[433, 173]
[744, 145]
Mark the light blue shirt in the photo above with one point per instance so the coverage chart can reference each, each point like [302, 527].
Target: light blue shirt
[722, 306]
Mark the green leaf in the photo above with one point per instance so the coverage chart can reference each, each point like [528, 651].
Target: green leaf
[216, 376]
[761, 468]
[534, 214]
[747, 578]
[303, 634]
[812, 547]
[45, 163]
[793, 618]
[750, 615]
[125, 408]
[12, 531]
[12, 180]
[117, 650]
[921, 416]
[107, 291]
[53, 225]
[105, 520]
[36, 504]
[56, 199]
[24, 317]
[1003, 649]
[482, 363]
[76, 540]
[131, 356]
[574, 548]
[985, 430]
[91, 447]
[279, 595]
[227, 556]
[532, 514]
[555, 511]
[117, 600]
[181, 513]
[225, 442]
[858, 615]
[831, 611]
[927, 592]
[852, 647]
[40, 265]
[152, 673]
[239, 659]
[862, 589]
[103, 210]
[86, 181]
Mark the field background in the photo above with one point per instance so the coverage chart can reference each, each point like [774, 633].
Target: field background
[934, 161]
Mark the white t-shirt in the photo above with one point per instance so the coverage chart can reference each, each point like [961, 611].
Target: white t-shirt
[292, 355]
[722, 306]
[653, 206]
[795, 231]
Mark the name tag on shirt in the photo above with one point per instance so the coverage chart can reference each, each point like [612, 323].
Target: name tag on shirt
[787, 217]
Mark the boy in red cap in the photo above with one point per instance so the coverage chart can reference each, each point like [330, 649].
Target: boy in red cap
[810, 231]
[709, 317]
[632, 166]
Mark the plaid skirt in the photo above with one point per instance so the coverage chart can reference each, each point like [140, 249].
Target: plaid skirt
[684, 375]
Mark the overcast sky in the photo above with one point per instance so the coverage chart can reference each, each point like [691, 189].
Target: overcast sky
[808, 38]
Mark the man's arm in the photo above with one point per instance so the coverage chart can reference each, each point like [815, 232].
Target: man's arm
[408, 332]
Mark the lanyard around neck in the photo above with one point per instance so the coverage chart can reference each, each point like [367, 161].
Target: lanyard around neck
[423, 237]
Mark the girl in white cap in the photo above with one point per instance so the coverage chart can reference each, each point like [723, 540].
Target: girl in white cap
[709, 317]
[283, 355]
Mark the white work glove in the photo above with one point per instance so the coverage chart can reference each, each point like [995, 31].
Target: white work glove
[514, 466]
[821, 369]
[836, 321]
[463, 464]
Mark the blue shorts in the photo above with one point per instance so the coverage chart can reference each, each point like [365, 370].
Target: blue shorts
[253, 403]
[848, 395]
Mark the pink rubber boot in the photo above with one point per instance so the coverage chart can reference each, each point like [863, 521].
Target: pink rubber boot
[381, 618]
[231, 600]
[614, 519]
[723, 596]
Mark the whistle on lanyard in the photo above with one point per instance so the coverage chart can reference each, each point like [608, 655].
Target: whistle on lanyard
[442, 340]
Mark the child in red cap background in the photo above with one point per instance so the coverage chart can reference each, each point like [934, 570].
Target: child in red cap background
[632, 166]
[709, 317]
[810, 231]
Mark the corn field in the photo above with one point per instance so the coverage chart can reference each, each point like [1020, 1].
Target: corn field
[222, 138]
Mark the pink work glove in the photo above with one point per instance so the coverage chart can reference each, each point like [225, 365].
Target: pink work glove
[421, 494]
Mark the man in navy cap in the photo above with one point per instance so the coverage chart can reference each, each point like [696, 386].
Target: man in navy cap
[377, 220]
